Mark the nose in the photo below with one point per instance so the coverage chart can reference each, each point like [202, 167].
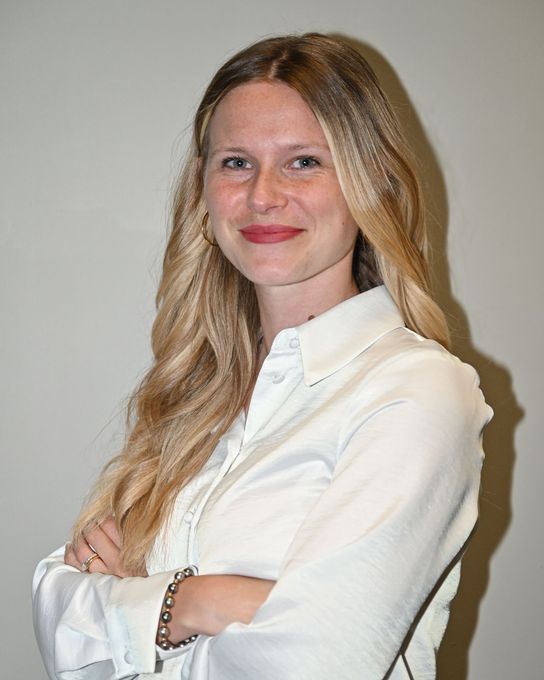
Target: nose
[266, 191]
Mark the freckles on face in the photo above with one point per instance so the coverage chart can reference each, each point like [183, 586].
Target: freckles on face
[270, 186]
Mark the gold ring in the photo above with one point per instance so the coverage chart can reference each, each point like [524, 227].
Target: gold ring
[87, 563]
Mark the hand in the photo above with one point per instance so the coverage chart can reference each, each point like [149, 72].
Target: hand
[104, 542]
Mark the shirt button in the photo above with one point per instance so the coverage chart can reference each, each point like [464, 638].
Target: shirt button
[277, 378]
[294, 343]
[188, 516]
[128, 657]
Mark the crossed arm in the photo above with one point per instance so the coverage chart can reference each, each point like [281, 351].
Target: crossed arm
[204, 605]
[400, 506]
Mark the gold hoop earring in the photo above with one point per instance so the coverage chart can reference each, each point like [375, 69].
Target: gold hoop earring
[203, 231]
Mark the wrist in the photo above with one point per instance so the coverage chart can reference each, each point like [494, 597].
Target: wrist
[171, 631]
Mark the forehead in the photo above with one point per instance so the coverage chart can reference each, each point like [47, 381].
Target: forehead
[264, 111]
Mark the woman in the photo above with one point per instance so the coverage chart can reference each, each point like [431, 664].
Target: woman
[303, 437]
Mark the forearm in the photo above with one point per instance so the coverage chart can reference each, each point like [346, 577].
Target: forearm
[208, 604]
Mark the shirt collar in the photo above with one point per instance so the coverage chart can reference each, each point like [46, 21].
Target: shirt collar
[334, 338]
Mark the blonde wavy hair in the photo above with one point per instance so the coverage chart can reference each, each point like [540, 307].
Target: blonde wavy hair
[206, 330]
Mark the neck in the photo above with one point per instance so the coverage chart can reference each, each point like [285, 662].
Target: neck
[291, 305]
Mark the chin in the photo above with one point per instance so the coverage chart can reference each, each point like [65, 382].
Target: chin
[269, 276]
[271, 281]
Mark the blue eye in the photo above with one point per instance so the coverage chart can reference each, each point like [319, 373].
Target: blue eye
[305, 162]
[235, 163]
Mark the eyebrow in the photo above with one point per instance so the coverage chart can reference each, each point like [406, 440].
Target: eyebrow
[290, 147]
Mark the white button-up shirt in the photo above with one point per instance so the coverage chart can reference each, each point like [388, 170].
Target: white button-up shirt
[353, 481]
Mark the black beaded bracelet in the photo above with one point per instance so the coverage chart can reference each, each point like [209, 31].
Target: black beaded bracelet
[163, 632]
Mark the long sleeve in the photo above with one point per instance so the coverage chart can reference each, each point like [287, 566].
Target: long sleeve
[94, 626]
[400, 507]
[352, 481]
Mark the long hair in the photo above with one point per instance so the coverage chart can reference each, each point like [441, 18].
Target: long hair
[205, 334]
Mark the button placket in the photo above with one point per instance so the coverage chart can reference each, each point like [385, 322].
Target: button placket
[282, 367]
[234, 446]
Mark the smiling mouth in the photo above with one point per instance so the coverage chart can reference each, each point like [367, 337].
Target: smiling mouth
[269, 233]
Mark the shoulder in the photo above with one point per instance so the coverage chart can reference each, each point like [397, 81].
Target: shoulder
[404, 367]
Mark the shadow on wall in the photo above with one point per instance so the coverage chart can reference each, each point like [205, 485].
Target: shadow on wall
[496, 382]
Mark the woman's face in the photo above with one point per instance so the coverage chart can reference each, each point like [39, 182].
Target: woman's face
[275, 204]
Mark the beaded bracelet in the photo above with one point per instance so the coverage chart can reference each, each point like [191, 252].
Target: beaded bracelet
[163, 632]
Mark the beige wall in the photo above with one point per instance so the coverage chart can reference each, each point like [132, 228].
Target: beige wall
[95, 99]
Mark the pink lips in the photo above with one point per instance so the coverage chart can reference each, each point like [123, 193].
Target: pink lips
[269, 233]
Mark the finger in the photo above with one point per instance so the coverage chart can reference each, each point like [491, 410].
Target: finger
[106, 548]
[72, 560]
[78, 555]
[95, 544]
[101, 543]
[96, 565]
[109, 527]
[70, 556]
[82, 551]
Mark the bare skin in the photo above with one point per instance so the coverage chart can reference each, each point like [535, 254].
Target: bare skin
[208, 604]
[106, 542]
[205, 605]
[271, 166]
[266, 166]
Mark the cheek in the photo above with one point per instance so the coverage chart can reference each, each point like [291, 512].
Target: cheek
[327, 202]
[344, 219]
[337, 218]
[221, 203]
